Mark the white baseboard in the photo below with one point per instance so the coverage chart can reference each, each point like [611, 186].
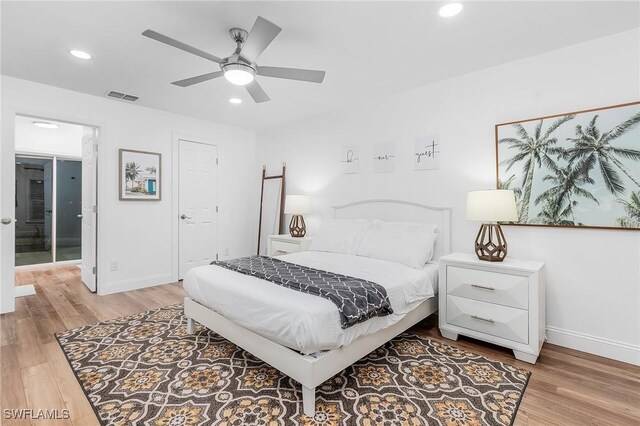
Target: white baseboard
[134, 284]
[25, 290]
[619, 351]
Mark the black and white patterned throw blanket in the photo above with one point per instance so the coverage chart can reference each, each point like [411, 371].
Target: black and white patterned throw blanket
[357, 300]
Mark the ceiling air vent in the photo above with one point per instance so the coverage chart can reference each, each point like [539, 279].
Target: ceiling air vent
[123, 96]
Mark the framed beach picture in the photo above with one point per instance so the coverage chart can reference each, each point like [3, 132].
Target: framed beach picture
[579, 169]
[140, 173]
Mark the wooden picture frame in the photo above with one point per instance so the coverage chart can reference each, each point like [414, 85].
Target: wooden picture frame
[584, 171]
[140, 175]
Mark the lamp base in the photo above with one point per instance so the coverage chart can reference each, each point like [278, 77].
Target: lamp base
[297, 228]
[491, 245]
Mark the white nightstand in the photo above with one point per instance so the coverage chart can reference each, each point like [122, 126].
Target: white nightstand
[498, 302]
[285, 244]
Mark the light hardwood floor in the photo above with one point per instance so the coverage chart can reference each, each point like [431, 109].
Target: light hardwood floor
[567, 387]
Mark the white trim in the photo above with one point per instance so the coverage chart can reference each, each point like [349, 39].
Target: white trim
[54, 209]
[608, 348]
[48, 155]
[175, 197]
[25, 290]
[134, 284]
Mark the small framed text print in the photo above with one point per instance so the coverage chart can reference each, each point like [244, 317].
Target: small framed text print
[140, 175]
[426, 153]
[384, 157]
[350, 159]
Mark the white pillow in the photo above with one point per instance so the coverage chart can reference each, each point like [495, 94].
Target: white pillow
[411, 244]
[340, 236]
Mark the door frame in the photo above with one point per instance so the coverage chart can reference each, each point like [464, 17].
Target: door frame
[175, 197]
[7, 190]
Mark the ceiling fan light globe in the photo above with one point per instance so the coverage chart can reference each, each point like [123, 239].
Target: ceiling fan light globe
[239, 74]
[238, 77]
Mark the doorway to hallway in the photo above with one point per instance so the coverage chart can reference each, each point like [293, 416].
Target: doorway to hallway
[55, 196]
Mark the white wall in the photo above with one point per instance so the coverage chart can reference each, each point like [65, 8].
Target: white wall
[593, 276]
[64, 141]
[139, 234]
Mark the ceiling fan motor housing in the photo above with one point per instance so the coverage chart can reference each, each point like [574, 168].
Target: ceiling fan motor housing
[235, 62]
[239, 66]
[238, 34]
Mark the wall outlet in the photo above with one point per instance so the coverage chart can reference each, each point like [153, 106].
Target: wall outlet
[227, 251]
[115, 265]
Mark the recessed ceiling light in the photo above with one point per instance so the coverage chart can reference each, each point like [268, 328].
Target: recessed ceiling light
[45, 125]
[451, 9]
[80, 54]
[235, 100]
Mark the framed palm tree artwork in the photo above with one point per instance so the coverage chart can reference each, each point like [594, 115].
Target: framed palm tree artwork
[140, 175]
[579, 169]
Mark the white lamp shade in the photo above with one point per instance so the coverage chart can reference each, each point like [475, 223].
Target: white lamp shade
[495, 205]
[297, 204]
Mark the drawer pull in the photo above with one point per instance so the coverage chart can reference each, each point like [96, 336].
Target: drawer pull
[483, 287]
[475, 317]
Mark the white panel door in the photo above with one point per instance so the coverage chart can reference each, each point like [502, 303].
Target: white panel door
[7, 212]
[88, 238]
[198, 198]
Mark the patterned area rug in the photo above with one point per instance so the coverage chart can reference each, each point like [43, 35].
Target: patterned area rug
[145, 369]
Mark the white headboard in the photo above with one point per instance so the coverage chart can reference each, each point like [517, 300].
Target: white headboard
[402, 211]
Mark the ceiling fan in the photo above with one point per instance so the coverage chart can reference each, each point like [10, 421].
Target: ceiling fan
[241, 68]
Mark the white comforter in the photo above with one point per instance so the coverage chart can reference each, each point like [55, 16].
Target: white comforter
[302, 321]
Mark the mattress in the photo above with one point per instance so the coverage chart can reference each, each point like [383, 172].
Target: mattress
[301, 321]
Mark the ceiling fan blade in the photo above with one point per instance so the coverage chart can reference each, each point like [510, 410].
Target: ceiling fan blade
[260, 36]
[257, 93]
[292, 74]
[180, 45]
[198, 79]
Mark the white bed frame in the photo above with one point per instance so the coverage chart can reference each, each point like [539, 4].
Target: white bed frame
[311, 371]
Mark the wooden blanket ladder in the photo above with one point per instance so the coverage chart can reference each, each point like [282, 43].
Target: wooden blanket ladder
[282, 198]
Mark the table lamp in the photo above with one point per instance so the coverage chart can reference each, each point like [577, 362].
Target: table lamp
[297, 205]
[490, 207]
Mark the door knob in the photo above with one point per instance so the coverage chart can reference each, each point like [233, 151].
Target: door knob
[6, 220]
[184, 216]
[80, 216]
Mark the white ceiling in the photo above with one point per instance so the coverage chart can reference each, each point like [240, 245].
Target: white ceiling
[368, 49]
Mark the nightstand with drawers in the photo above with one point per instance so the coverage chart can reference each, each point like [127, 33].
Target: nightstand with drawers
[498, 302]
[285, 244]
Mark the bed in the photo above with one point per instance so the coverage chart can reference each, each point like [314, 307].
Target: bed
[300, 334]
